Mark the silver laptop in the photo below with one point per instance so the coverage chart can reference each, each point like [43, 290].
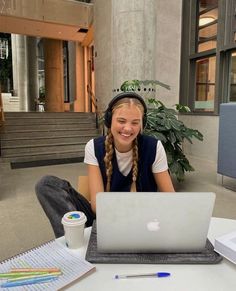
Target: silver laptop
[133, 222]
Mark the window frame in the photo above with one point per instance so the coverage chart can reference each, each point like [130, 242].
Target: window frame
[225, 44]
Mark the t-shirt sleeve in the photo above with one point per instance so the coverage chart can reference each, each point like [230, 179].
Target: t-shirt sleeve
[89, 156]
[160, 164]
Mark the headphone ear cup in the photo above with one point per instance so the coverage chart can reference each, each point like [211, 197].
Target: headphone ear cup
[144, 120]
[107, 118]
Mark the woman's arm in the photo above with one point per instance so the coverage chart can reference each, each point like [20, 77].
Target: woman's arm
[164, 182]
[95, 184]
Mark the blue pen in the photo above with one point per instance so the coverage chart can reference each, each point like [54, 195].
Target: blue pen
[28, 281]
[158, 275]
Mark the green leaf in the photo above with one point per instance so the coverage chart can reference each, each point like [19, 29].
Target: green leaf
[130, 85]
[182, 108]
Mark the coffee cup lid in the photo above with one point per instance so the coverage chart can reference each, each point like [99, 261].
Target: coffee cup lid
[74, 218]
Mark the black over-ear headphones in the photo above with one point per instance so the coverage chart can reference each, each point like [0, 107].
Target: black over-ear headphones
[108, 112]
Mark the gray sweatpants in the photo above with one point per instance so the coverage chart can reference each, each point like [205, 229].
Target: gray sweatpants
[57, 197]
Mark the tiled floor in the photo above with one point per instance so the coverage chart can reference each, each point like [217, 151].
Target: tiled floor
[24, 225]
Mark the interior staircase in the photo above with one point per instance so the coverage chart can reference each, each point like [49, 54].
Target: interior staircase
[45, 138]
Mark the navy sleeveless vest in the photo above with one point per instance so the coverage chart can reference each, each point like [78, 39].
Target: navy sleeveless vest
[145, 180]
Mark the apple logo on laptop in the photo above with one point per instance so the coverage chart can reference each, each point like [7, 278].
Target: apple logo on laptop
[153, 225]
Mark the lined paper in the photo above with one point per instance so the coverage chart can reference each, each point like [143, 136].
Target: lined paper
[48, 255]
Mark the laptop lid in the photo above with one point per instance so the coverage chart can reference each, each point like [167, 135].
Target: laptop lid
[129, 222]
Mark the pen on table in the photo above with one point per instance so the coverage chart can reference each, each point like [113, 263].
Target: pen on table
[28, 282]
[158, 275]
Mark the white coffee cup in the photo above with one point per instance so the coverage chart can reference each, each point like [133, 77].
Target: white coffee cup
[73, 223]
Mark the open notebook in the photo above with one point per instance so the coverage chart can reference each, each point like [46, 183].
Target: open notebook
[51, 254]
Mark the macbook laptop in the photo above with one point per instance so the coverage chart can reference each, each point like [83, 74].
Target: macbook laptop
[143, 222]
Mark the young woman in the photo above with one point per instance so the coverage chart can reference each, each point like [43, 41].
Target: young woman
[123, 160]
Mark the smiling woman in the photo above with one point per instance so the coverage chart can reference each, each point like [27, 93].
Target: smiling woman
[126, 124]
[124, 160]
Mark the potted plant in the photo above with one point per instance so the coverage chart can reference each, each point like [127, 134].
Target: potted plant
[162, 123]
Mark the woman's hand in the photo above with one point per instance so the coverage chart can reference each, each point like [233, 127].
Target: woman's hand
[95, 184]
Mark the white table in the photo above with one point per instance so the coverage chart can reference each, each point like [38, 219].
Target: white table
[219, 277]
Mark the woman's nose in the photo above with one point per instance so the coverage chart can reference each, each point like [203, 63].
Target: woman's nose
[128, 127]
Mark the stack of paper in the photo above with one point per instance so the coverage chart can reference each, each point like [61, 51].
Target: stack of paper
[226, 246]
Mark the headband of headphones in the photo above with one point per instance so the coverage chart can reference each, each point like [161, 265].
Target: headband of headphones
[108, 112]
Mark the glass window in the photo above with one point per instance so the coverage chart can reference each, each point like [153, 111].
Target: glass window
[232, 93]
[208, 62]
[207, 25]
[205, 84]
[207, 4]
[4, 51]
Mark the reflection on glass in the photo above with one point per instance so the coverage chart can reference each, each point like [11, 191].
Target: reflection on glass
[4, 50]
[208, 45]
[208, 17]
[207, 25]
[232, 95]
[206, 32]
[205, 84]
[207, 4]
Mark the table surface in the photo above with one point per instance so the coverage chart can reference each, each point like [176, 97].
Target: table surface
[219, 277]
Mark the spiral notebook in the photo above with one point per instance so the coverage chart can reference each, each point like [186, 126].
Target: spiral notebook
[48, 255]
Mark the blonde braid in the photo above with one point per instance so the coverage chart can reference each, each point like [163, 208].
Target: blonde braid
[135, 166]
[109, 148]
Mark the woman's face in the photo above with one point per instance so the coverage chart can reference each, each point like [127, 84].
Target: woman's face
[125, 126]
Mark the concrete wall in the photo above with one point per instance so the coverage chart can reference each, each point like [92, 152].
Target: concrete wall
[79, 13]
[103, 51]
[168, 49]
[133, 31]
[209, 127]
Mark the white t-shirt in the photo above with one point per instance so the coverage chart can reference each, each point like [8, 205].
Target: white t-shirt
[124, 160]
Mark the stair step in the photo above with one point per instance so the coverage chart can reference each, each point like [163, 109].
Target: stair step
[46, 159]
[40, 138]
[41, 149]
[50, 115]
[39, 121]
[41, 127]
[45, 141]
[21, 135]
[35, 138]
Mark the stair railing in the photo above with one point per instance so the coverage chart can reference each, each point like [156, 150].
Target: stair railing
[93, 102]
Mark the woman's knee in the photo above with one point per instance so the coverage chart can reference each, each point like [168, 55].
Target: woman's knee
[46, 182]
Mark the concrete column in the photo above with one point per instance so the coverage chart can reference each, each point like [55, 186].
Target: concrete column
[33, 88]
[53, 52]
[133, 33]
[20, 75]
[125, 33]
